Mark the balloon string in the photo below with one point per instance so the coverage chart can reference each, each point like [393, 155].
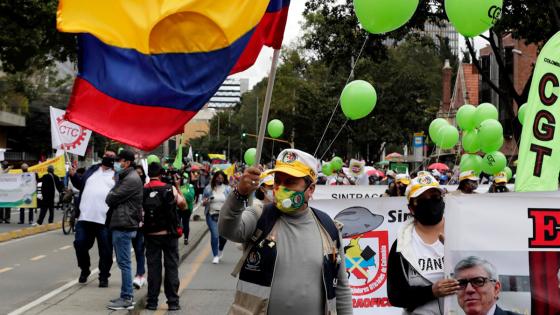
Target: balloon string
[332, 142]
[338, 102]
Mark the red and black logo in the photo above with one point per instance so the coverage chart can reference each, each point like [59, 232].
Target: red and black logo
[546, 228]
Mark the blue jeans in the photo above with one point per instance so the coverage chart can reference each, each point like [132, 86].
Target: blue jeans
[122, 242]
[216, 241]
[138, 245]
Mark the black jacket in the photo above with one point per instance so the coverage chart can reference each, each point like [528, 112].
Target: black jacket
[50, 182]
[125, 201]
[500, 311]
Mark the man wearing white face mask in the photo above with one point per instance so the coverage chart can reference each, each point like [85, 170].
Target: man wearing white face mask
[288, 245]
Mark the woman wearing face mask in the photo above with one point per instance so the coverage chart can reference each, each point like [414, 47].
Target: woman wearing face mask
[468, 183]
[415, 277]
[213, 199]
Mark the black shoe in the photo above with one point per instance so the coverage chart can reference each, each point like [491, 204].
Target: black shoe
[83, 276]
[186, 242]
[151, 307]
[20, 223]
[174, 307]
[103, 283]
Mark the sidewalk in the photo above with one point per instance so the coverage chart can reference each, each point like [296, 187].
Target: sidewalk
[86, 299]
[12, 230]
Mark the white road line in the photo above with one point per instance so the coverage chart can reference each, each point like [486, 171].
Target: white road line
[47, 296]
[38, 257]
[65, 247]
[6, 269]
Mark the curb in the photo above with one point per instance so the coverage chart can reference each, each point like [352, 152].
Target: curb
[7, 236]
[141, 302]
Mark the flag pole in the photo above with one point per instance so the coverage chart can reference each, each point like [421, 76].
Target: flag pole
[268, 98]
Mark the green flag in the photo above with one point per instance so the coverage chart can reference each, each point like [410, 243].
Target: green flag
[178, 163]
[539, 151]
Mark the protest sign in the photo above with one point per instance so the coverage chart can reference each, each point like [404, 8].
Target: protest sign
[18, 190]
[519, 233]
[66, 135]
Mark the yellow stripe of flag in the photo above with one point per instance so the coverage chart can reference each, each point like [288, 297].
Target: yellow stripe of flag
[162, 26]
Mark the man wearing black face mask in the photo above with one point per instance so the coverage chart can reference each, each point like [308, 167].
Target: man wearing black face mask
[94, 186]
[415, 278]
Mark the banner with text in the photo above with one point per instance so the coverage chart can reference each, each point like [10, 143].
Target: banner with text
[66, 135]
[18, 190]
[518, 233]
[41, 169]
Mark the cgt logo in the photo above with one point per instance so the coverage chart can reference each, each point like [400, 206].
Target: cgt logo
[546, 228]
[494, 12]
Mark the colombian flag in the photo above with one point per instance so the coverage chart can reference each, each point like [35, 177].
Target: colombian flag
[147, 66]
[269, 32]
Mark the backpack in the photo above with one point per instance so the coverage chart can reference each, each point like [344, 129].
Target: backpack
[160, 211]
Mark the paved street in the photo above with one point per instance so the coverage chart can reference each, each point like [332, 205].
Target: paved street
[35, 265]
[4, 227]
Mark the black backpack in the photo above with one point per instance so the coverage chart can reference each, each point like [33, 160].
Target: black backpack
[160, 211]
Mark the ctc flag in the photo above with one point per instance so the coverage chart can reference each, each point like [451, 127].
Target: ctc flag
[146, 67]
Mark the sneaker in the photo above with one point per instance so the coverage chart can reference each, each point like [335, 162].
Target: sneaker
[83, 276]
[186, 242]
[173, 307]
[121, 304]
[115, 300]
[138, 282]
[221, 254]
[216, 260]
[103, 283]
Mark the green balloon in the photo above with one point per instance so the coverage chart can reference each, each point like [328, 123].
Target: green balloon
[493, 162]
[470, 141]
[327, 169]
[435, 125]
[250, 156]
[471, 162]
[509, 173]
[358, 99]
[466, 117]
[275, 128]
[473, 17]
[447, 137]
[153, 158]
[485, 111]
[490, 130]
[521, 113]
[381, 16]
[336, 163]
[488, 147]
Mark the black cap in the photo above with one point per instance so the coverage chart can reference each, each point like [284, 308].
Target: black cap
[126, 155]
[154, 169]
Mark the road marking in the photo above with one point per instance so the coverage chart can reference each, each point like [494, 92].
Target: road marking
[186, 280]
[38, 257]
[65, 247]
[48, 296]
[6, 269]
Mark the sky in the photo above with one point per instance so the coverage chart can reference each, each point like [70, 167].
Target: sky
[293, 29]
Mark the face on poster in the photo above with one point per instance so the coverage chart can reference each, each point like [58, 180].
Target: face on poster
[518, 236]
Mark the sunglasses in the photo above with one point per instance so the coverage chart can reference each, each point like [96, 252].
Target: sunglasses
[476, 282]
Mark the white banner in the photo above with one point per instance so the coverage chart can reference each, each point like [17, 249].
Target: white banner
[371, 191]
[67, 135]
[519, 233]
[18, 190]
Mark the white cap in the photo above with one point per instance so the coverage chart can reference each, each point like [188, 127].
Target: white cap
[297, 163]
[470, 175]
[420, 184]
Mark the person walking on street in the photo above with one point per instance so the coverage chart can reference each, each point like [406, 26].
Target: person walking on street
[50, 183]
[123, 218]
[94, 186]
[188, 191]
[25, 169]
[161, 221]
[290, 248]
[213, 199]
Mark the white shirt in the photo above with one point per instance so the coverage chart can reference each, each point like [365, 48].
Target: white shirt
[430, 257]
[492, 310]
[92, 205]
[219, 195]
